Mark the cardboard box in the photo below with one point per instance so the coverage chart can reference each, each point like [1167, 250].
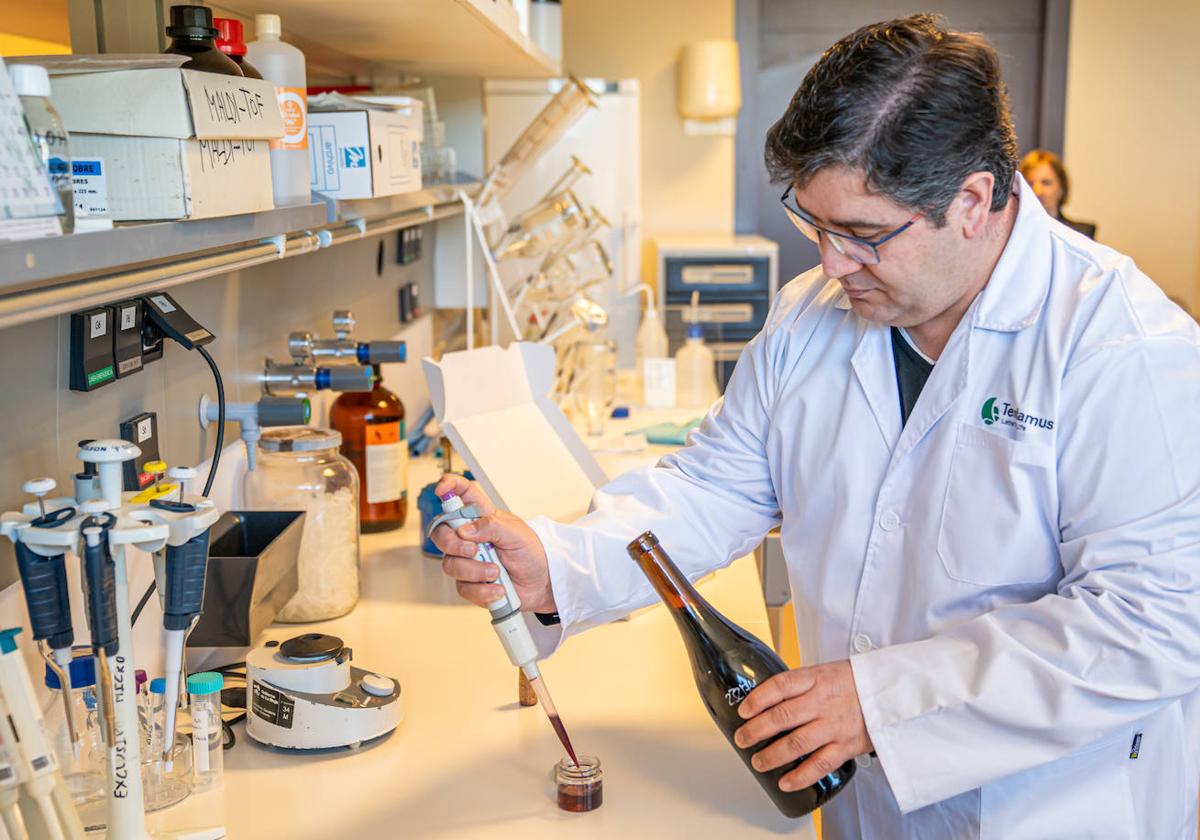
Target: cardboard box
[363, 154]
[495, 406]
[167, 102]
[175, 144]
[167, 178]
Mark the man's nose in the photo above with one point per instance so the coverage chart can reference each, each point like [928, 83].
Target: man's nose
[834, 262]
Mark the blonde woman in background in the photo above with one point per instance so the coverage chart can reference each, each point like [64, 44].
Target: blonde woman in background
[1045, 173]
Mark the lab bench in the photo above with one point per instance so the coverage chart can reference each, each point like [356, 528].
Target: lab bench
[468, 761]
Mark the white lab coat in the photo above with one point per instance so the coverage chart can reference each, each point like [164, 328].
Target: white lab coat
[1019, 598]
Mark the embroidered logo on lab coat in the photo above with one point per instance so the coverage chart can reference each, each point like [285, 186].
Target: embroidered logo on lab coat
[995, 410]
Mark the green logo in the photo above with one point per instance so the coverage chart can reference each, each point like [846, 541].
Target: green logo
[995, 410]
[989, 412]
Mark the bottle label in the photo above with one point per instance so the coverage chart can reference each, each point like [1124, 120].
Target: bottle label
[293, 106]
[387, 462]
[738, 693]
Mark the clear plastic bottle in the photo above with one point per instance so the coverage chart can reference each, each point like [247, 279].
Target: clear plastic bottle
[283, 66]
[192, 32]
[695, 371]
[32, 84]
[300, 468]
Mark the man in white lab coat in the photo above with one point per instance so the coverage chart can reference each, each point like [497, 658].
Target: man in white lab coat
[977, 430]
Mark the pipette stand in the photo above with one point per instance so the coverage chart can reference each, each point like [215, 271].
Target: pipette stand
[149, 529]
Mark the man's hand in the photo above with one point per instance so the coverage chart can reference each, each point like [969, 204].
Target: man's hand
[518, 546]
[819, 707]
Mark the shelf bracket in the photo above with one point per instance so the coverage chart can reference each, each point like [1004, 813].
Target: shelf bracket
[280, 243]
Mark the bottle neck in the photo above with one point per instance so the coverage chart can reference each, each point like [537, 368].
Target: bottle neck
[670, 583]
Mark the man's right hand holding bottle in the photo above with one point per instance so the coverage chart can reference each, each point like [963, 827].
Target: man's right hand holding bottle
[515, 542]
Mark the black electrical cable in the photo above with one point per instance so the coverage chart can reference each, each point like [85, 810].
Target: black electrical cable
[212, 469]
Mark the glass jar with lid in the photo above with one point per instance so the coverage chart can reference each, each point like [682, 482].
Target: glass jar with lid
[300, 468]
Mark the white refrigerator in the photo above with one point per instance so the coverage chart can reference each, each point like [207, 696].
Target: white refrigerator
[608, 140]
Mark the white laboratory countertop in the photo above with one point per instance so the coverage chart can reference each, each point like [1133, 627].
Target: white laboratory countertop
[468, 761]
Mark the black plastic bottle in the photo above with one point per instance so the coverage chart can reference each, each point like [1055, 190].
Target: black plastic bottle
[192, 32]
[727, 662]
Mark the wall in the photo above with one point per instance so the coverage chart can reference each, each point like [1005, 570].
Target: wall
[38, 28]
[687, 182]
[1131, 128]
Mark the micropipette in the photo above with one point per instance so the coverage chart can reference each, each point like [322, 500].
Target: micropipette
[100, 589]
[10, 786]
[39, 772]
[507, 620]
[44, 582]
[180, 572]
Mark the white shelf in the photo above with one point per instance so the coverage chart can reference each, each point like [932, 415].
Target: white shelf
[471, 38]
[45, 277]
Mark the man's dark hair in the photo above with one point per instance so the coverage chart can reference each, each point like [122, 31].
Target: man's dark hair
[913, 105]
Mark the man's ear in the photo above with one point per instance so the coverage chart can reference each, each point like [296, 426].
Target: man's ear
[975, 203]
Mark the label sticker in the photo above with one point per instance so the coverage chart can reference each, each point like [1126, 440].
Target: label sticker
[102, 375]
[162, 303]
[128, 317]
[145, 428]
[90, 184]
[387, 462]
[99, 322]
[293, 106]
[272, 706]
[129, 365]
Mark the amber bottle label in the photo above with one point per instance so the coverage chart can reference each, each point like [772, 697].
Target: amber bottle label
[387, 462]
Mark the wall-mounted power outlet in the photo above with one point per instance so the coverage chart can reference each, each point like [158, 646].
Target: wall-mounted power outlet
[92, 364]
[141, 429]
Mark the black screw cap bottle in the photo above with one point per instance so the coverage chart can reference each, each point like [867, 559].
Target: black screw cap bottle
[192, 32]
[727, 662]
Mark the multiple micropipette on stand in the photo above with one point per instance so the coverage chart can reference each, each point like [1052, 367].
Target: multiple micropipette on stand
[163, 520]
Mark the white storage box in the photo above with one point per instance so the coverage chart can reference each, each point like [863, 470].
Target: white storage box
[175, 143]
[368, 153]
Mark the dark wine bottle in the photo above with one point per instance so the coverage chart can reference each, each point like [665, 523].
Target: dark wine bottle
[727, 663]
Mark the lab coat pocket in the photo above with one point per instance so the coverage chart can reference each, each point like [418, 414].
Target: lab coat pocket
[998, 513]
[1083, 796]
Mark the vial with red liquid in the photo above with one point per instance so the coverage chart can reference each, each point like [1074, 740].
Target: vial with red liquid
[580, 786]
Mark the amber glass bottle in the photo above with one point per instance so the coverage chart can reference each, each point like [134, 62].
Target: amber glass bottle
[727, 663]
[372, 427]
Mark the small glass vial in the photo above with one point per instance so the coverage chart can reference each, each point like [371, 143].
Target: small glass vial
[204, 690]
[83, 771]
[580, 787]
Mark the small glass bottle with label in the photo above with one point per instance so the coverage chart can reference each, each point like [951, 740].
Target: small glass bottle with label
[373, 439]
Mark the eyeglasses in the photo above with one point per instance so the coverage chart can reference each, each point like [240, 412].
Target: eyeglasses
[862, 251]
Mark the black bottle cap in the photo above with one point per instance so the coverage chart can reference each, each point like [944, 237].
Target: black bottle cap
[191, 22]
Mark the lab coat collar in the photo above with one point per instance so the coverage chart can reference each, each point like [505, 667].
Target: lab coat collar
[1013, 298]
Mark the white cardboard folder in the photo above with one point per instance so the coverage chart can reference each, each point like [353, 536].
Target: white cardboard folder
[494, 405]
